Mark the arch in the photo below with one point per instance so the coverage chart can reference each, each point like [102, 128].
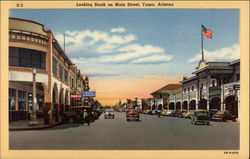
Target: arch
[55, 103]
[61, 101]
[215, 103]
[178, 105]
[185, 105]
[171, 106]
[203, 104]
[153, 107]
[192, 105]
[232, 105]
[160, 107]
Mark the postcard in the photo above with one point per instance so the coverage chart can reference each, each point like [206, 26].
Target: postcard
[124, 79]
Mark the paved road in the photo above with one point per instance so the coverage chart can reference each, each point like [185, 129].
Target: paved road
[151, 133]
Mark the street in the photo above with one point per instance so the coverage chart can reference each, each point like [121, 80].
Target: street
[151, 133]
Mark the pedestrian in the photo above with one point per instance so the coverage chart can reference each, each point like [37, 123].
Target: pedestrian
[85, 117]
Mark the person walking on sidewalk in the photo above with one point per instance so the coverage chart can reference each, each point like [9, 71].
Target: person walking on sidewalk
[85, 117]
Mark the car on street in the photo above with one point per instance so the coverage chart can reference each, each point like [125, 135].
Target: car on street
[164, 112]
[149, 112]
[187, 115]
[109, 114]
[223, 115]
[178, 113]
[200, 116]
[154, 112]
[169, 112]
[174, 113]
[133, 114]
[212, 112]
[182, 115]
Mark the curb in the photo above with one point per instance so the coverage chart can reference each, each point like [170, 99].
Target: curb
[34, 128]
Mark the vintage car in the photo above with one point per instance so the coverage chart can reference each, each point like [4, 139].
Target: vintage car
[109, 114]
[189, 114]
[200, 116]
[164, 112]
[223, 115]
[74, 114]
[132, 114]
[169, 112]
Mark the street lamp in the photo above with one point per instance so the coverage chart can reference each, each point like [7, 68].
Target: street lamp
[34, 121]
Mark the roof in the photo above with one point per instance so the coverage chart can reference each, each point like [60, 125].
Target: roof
[168, 87]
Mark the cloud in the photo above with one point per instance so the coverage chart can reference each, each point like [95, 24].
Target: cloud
[100, 73]
[153, 59]
[78, 60]
[223, 54]
[118, 30]
[96, 46]
[131, 52]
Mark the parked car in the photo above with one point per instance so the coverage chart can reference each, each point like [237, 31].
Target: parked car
[169, 112]
[132, 114]
[174, 113]
[109, 114]
[182, 115]
[223, 115]
[187, 115]
[178, 113]
[191, 114]
[164, 112]
[212, 112]
[200, 116]
[149, 112]
[154, 112]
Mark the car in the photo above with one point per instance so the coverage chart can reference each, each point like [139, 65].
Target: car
[169, 112]
[133, 114]
[182, 115]
[200, 116]
[174, 113]
[164, 112]
[149, 112]
[187, 115]
[154, 112]
[223, 115]
[212, 112]
[178, 113]
[109, 114]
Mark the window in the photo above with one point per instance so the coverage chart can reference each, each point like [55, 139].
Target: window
[184, 90]
[21, 100]
[27, 58]
[54, 69]
[65, 75]
[13, 56]
[192, 88]
[60, 72]
[188, 89]
[12, 99]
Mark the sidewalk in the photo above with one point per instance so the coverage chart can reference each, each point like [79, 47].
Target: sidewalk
[24, 125]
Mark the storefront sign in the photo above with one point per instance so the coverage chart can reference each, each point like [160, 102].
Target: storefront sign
[76, 96]
[88, 94]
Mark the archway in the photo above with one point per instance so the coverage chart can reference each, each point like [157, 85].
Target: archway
[61, 101]
[203, 104]
[55, 104]
[215, 103]
[178, 105]
[192, 105]
[160, 107]
[171, 106]
[232, 105]
[153, 107]
[185, 105]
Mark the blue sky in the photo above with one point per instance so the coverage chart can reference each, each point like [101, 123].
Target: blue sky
[114, 43]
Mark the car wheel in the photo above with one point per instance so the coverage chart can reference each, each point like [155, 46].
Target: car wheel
[194, 122]
[71, 120]
[128, 120]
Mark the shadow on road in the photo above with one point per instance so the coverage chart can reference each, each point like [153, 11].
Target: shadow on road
[66, 126]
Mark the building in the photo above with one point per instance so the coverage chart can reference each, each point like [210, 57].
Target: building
[161, 96]
[34, 49]
[215, 85]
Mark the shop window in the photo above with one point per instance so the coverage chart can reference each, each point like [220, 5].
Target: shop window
[12, 99]
[21, 100]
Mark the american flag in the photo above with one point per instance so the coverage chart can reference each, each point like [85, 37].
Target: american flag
[206, 32]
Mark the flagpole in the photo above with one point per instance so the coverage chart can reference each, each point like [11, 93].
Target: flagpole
[202, 53]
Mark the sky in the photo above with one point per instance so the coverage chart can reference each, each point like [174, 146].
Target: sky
[130, 53]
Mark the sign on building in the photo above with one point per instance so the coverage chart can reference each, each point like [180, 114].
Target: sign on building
[89, 94]
[76, 96]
